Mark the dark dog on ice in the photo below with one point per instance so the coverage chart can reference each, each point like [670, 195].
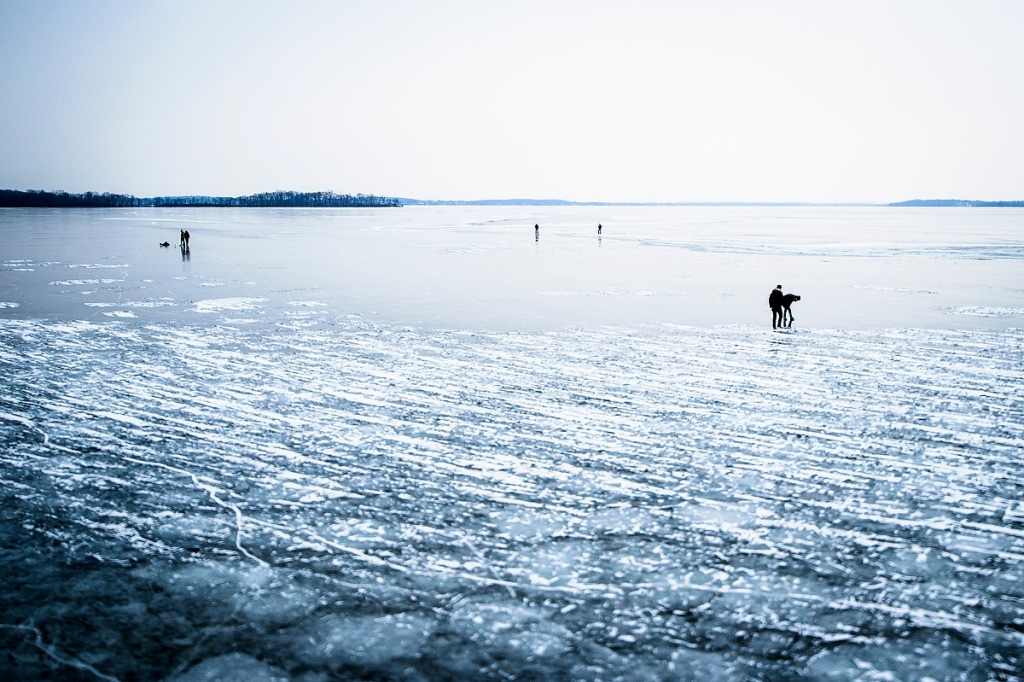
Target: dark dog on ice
[788, 300]
[165, 244]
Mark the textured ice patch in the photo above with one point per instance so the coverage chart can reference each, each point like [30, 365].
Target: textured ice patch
[84, 282]
[363, 640]
[922, 655]
[97, 266]
[18, 265]
[986, 311]
[213, 305]
[260, 594]
[530, 524]
[511, 631]
[120, 313]
[1014, 513]
[232, 668]
[148, 303]
[9, 304]
[305, 313]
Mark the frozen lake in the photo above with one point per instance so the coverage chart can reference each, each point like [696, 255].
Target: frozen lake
[482, 267]
[422, 443]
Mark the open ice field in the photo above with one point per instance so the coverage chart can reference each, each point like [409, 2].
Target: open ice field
[420, 443]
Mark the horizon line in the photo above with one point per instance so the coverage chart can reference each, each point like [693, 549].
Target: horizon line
[550, 202]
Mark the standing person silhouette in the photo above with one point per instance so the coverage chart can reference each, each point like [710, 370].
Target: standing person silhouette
[775, 303]
[186, 236]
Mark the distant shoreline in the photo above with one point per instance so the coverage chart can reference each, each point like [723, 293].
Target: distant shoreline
[970, 203]
[10, 198]
[560, 202]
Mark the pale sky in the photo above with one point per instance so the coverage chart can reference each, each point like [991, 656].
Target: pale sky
[587, 100]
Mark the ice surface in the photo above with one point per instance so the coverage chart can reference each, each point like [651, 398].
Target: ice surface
[475, 268]
[232, 668]
[318, 492]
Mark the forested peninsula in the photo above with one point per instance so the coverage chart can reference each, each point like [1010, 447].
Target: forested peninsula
[11, 198]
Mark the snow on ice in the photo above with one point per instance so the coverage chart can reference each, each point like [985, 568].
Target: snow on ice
[355, 500]
[311, 494]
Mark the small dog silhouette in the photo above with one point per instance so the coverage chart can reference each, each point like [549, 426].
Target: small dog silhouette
[788, 300]
[165, 243]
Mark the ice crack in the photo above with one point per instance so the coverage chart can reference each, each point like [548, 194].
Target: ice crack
[52, 652]
[212, 491]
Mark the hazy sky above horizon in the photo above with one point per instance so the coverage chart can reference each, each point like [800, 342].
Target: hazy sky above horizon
[794, 100]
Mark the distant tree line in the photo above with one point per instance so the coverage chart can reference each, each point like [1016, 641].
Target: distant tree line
[10, 198]
[943, 203]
